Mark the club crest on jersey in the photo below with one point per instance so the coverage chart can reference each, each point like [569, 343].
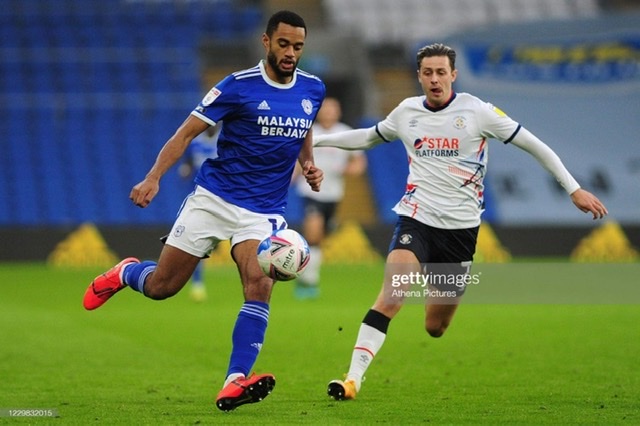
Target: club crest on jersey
[211, 96]
[307, 106]
[459, 122]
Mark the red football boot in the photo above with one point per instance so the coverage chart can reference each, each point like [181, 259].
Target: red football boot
[106, 285]
[245, 390]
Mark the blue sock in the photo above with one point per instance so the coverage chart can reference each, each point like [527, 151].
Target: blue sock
[135, 274]
[248, 336]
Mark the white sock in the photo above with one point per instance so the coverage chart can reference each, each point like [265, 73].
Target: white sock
[368, 344]
[231, 378]
[311, 275]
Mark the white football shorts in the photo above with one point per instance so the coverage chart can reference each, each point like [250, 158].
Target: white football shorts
[205, 219]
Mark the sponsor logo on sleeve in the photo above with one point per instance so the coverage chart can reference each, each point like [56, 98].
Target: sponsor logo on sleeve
[211, 96]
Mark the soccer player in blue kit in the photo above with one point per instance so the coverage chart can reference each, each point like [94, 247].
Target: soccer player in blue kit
[268, 111]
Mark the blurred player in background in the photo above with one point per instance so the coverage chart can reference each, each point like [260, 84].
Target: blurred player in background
[445, 135]
[241, 195]
[320, 207]
[203, 146]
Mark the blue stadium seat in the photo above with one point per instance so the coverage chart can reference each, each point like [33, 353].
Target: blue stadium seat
[55, 202]
[100, 69]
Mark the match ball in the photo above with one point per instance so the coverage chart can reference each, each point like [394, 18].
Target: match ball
[283, 255]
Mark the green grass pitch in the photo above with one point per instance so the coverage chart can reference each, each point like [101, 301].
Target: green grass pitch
[510, 361]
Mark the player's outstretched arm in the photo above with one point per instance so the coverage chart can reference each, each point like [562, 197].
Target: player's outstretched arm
[589, 203]
[547, 158]
[143, 193]
[584, 200]
[356, 139]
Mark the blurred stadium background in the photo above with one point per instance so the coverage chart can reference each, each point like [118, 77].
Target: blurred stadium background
[90, 90]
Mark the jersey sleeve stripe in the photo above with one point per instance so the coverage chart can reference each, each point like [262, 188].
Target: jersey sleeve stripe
[247, 73]
[302, 73]
[514, 134]
[380, 134]
[203, 118]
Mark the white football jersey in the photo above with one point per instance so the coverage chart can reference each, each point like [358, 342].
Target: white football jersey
[448, 152]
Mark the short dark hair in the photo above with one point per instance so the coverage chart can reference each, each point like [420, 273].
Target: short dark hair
[436, 49]
[286, 17]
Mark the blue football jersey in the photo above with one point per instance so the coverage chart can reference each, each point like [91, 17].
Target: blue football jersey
[265, 124]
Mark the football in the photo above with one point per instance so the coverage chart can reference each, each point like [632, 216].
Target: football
[283, 255]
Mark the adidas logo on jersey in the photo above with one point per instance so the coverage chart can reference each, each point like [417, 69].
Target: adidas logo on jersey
[264, 105]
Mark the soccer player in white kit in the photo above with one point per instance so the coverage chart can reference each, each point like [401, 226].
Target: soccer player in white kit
[446, 137]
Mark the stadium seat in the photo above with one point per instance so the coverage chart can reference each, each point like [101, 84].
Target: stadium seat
[107, 86]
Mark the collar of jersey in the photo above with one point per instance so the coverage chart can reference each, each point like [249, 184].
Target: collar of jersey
[270, 82]
[440, 108]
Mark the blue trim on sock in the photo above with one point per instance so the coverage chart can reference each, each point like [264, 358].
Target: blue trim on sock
[135, 274]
